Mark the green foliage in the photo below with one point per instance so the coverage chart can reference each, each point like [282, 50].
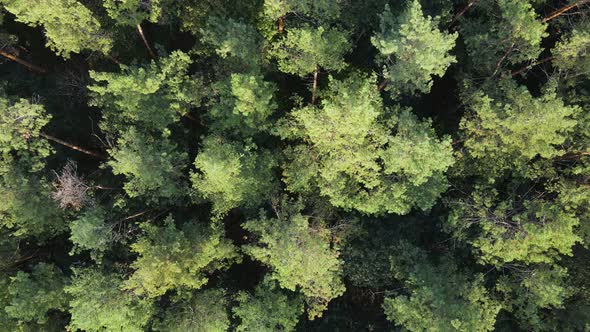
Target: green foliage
[506, 32]
[153, 165]
[232, 175]
[355, 161]
[203, 311]
[529, 292]
[34, 294]
[528, 231]
[299, 254]
[413, 49]
[20, 127]
[90, 232]
[69, 26]
[235, 41]
[302, 50]
[572, 54]
[438, 297]
[132, 12]
[171, 258]
[98, 304]
[26, 207]
[151, 97]
[245, 103]
[508, 132]
[267, 310]
[318, 9]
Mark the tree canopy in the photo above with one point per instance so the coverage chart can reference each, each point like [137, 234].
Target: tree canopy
[294, 165]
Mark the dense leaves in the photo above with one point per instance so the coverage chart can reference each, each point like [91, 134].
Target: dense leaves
[294, 165]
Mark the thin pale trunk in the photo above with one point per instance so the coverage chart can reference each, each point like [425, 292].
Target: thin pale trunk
[281, 25]
[463, 11]
[564, 9]
[72, 146]
[147, 45]
[499, 63]
[315, 84]
[522, 70]
[383, 84]
[113, 59]
[27, 64]
[574, 155]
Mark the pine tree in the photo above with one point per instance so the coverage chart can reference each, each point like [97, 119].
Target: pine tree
[69, 26]
[354, 161]
[438, 297]
[202, 311]
[98, 304]
[151, 97]
[231, 175]
[171, 258]
[412, 49]
[268, 309]
[299, 254]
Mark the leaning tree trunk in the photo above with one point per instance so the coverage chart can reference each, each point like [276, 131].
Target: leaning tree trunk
[145, 42]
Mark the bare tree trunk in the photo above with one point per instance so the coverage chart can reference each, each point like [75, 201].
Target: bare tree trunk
[383, 84]
[523, 69]
[499, 63]
[281, 25]
[72, 146]
[463, 11]
[147, 45]
[315, 84]
[113, 59]
[563, 10]
[27, 64]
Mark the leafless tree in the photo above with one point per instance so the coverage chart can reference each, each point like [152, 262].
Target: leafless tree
[70, 189]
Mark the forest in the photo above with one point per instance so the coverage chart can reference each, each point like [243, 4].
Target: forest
[294, 165]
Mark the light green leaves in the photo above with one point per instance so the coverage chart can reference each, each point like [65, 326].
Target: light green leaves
[413, 49]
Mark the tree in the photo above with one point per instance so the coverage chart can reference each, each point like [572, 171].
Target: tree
[515, 230]
[150, 97]
[299, 254]
[26, 207]
[133, 12]
[34, 294]
[231, 174]
[171, 258]
[267, 310]
[20, 130]
[235, 41]
[412, 49]
[570, 55]
[301, 51]
[98, 303]
[508, 131]
[305, 50]
[438, 297]
[505, 32]
[529, 292]
[90, 232]
[202, 311]
[152, 165]
[245, 103]
[352, 159]
[69, 26]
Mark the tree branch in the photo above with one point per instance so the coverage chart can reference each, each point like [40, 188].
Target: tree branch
[462, 12]
[27, 64]
[563, 10]
[523, 69]
[147, 45]
[72, 146]
[315, 84]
